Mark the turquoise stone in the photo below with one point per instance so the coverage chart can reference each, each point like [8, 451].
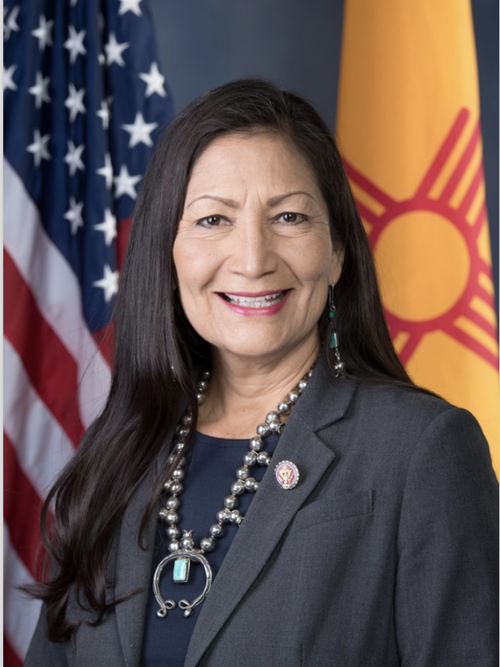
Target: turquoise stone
[331, 314]
[333, 341]
[181, 570]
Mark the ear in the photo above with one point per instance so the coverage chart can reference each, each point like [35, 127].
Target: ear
[336, 265]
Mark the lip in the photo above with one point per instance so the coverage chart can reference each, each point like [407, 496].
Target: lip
[255, 312]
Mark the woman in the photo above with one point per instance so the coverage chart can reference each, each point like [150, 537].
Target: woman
[250, 335]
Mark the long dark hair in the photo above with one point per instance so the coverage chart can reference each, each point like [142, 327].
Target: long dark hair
[157, 352]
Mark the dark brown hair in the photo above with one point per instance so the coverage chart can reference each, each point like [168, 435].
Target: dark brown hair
[157, 351]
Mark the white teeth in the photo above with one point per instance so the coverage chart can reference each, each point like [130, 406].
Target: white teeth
[255, 301]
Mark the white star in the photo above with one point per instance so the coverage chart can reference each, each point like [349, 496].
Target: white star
[74, 44]
[74, 215]
[108, 226]
[74, 102]
[7, 78]
[140, 131]
[114, 51]
[129, 6]
[106, 171]
[73, 157]
[109, 283]
[155, 81]
[104, 112]
[101, 59]
[11, 25]
[42, 33]
[124, 183]
[40, 90]
[39, 148]
[73, 3]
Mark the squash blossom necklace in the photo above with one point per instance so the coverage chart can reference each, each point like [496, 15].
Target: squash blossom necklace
[183, 551]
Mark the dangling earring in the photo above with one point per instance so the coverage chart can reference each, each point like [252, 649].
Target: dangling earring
[333, 341]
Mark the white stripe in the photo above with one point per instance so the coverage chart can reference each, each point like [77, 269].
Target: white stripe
[55, 289]
[21, 612]
[41, 444]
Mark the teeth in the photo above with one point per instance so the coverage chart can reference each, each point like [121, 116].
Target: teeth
[255, 301]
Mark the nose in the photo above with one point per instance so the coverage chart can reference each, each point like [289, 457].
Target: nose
[253, 251]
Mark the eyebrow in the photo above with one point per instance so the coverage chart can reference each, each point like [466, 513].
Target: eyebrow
[274, 201]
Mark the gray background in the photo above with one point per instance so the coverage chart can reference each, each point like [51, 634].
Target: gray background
[203, 43]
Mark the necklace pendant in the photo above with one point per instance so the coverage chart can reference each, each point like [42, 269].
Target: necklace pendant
[182, 565]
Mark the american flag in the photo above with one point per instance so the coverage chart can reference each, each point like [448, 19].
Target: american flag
[83, 102]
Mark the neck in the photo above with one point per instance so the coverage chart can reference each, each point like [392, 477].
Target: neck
[242, 391]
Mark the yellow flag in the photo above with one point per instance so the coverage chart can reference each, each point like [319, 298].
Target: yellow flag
[409, 130]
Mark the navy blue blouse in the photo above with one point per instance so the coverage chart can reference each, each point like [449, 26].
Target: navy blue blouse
[209, 475]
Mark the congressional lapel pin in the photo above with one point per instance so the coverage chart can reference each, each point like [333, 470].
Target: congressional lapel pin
[287, 475]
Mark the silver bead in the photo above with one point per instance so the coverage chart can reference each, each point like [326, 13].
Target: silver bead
[162, 514]
[223, 516]
[237, 488]
[187, 419]
[256, 485]
[263, 429]
[230, 502]
[235, 515]
[172, 503]
[173, 532]
[216, 530]
[242, 473]
[276, 427]
[272, 417]
[250, 484]
[293, 397]
[174, 546]
[201, 398]
[309, 373]
[284, 408]
[171, 458]
[181, 463]
[176, 488]
[187, 541]
[202, 385]
[171, 516]
[205, 375]
[256, 443]
[263, 458]
[178, 474]
[207, 544]
[250, 458]
[179, 447]
[339, 367]
[302, 385]
[168, 484]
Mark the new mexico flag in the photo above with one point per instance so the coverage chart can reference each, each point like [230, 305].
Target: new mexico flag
[408, 127]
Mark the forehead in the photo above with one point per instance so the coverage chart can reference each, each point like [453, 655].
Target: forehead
[248, 155]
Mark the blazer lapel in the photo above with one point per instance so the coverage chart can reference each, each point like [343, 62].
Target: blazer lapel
[272, 508]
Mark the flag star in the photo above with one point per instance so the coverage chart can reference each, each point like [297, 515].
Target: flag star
[124, 183]
[42, 33]
[109, 283]
[74, 215]
[40, 90]
[106, 171]
[74, 102]
[114, 51]
[10, 25]
[73, 157]
[73, 3]
[140, 131]
[7, 78]
[39, 148]
[104, 112]
[130, 6]
[101, 59]
[155, 81]
[108, 226]
[74, 44]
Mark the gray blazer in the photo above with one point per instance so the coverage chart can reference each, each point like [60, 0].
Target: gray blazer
[385, 554]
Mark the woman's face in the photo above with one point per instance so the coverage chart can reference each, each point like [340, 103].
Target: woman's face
[253, 252]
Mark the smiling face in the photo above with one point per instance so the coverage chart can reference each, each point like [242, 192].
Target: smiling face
[253, 252]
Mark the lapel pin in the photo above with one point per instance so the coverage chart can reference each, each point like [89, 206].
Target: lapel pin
[287, 475]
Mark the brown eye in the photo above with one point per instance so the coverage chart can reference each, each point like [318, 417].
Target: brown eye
[210, 221]
[292, 218]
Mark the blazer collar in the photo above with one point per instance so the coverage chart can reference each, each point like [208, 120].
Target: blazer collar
[324, 402]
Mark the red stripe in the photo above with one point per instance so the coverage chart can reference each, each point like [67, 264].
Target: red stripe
[51, 368]
[369, 187]
[22, 507]
[459, 170]
[123, 234]
[443, 153]
[472, 191]
[10, 657]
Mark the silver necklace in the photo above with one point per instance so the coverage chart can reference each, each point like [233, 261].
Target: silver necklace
[183, 551]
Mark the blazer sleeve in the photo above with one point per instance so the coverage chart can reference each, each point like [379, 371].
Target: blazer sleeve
[446, 608]
[42, 652]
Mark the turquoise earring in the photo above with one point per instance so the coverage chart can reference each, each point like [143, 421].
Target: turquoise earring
[333, 341]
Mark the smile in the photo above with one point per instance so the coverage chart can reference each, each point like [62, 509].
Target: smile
[256, 301]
